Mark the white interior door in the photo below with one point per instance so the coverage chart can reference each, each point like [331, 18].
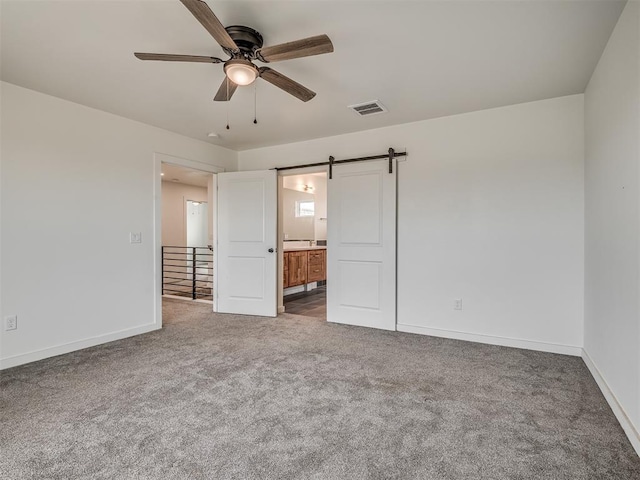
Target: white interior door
[361, 253]
[246, 268]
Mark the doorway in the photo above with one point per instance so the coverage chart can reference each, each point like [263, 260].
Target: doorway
[303, 233]
[198, 223]
[184, 230]
[187, 233]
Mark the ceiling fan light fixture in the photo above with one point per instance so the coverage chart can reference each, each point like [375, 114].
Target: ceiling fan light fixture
[241, 72]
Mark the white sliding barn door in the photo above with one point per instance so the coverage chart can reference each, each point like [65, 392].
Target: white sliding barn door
[361, 246]
[246, 268]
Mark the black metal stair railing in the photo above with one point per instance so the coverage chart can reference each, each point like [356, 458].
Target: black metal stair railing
[187, 272]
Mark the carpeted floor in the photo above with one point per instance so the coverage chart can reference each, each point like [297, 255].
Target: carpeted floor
[223, 396]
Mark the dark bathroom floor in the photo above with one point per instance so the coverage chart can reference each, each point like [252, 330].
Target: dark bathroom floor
[310, 304]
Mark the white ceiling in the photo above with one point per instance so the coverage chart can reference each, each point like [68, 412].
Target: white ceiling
[186, 176]
[299, 182]
[421, 59]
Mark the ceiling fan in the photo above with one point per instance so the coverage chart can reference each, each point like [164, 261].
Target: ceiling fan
[244, 45]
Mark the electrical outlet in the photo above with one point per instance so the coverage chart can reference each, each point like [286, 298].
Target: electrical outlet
[135, 237]
[11, 322]
[457, 304]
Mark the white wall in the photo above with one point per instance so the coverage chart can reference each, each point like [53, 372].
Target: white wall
[174, 196]
[612, 220]
[318, 182]
[72, 276]
[490, 210]
[296, 228]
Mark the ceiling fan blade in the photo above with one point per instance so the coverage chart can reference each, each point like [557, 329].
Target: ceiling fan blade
[207, 18]
[285, 83]
[169, 57]
[300, 48]
[226, 90]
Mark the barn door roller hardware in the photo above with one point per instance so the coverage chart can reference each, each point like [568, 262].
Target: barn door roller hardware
[332, 161]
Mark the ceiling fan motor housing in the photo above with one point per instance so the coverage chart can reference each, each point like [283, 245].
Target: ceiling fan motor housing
[247, 39]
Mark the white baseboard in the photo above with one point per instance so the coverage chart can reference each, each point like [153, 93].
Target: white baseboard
[493, 340]
[625, 422]
[73, 346]
[186, 299]
[292, 290]
[300, 289]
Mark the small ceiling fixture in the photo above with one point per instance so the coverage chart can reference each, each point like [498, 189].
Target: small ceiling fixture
[213, 135]
[162, 174]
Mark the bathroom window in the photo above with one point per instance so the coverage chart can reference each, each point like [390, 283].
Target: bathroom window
[305, 209]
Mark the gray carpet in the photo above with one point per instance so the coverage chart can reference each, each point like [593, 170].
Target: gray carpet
[223, 396]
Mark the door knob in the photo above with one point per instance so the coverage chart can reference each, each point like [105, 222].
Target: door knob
[270, 250]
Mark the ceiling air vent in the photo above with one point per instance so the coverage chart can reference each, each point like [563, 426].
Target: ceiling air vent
[368, 108]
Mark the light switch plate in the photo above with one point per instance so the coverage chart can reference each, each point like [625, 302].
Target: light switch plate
[135, 237]
[11, 322]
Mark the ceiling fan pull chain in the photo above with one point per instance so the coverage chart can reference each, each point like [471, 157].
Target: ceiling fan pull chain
[255, 104]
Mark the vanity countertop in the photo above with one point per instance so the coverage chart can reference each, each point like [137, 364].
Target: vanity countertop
[298, 249]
